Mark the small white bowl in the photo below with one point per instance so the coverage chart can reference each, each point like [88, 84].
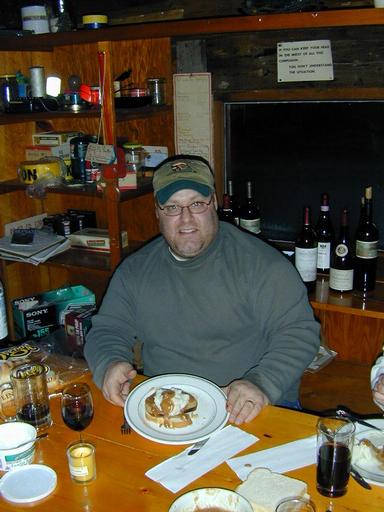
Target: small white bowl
[199, 499]
[13, 434]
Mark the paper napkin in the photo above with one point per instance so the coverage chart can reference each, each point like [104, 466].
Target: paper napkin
[280, 459]
[182, 469]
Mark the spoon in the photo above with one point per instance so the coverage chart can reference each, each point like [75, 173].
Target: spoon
[38, 438]
[347, 414]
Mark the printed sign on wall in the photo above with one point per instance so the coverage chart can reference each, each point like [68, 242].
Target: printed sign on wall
[302, 61]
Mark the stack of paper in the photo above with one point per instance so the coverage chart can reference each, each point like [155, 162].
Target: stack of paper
[44, 246]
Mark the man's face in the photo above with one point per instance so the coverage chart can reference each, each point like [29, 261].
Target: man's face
[188, 234]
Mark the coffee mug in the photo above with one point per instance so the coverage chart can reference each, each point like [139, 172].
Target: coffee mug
[27, 392]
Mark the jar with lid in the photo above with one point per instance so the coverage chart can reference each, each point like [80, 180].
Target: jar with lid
[156, 87]
[8, 91]
[134, 157]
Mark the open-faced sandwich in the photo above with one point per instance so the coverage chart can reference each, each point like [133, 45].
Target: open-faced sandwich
[170, 407]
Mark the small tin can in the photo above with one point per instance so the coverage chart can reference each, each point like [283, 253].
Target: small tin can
[156, 87]
[95, 21]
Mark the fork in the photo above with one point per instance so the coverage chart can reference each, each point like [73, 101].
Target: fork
[125, 427]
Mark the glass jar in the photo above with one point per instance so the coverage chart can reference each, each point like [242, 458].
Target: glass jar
[156, 87]
[8, 91]
[134, 157]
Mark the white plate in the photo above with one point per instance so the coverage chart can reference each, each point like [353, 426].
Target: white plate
[371, 470]
[210, 415]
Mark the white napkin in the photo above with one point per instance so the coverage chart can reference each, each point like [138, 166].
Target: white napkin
[280, 459]
[182, 469]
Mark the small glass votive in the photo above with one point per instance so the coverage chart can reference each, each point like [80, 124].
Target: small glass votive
[82, 461]
[296, 504]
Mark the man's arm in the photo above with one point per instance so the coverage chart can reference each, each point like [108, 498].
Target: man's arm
[112, 336]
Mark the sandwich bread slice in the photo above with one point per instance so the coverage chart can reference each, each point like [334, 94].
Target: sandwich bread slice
[265, 489]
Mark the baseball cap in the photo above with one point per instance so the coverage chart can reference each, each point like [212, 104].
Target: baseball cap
[178, 174]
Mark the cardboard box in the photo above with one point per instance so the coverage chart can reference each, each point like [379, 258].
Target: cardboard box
[35, 152]
[38, 315]
[54, 138]
[77, 324]
[94, 239]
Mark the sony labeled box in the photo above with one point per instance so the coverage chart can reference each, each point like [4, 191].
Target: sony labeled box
[38, 315]
[95, 239]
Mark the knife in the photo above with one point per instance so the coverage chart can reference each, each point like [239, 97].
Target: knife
[196, 447]
[359, 479]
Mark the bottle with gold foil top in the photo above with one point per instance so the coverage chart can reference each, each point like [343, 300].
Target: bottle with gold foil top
[367, 242]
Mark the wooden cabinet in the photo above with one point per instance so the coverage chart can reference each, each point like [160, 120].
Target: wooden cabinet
[133, 210]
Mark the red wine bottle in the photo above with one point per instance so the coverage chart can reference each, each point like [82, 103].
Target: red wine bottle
[367, 242]
[306, 251]
[341, 272]
[225, 212]
[250, 213]
[325, 236]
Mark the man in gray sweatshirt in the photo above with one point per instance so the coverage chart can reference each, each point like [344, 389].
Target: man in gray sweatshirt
[206, 299]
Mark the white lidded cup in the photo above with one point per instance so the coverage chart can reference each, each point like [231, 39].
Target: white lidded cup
[12, 435]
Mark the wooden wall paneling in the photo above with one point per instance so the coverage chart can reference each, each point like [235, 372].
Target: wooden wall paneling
[13, 139]
[248, 61]
[156, 132]
[83, 124]
[146, 58]
[65, 61]
[138, 218]
[353, 337]
[11, 62]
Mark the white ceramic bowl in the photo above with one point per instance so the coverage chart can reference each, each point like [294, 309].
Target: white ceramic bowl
[192, 501]
[11, 435]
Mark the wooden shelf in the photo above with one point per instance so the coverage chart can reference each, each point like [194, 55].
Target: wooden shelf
[144, 187]
[180, 28]
[125, 114]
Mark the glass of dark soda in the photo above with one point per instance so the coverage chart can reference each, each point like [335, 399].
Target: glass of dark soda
[335, 439]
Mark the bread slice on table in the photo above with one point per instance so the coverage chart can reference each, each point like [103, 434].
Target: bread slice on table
[265, 489]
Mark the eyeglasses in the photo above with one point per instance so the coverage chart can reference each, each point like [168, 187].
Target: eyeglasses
[172, 210]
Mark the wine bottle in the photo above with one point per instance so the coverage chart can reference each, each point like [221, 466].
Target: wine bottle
[306, 251]
[3, 317]
[233, 201]
[341, 272]
[325, 236]
[250, 213]
[225, 212]
[367, 241]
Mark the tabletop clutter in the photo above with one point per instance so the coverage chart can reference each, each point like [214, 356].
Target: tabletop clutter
[171, 409]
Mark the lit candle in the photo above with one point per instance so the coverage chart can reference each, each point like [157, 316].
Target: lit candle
[82, 462]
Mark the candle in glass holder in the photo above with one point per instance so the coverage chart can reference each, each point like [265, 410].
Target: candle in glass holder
[82, 462]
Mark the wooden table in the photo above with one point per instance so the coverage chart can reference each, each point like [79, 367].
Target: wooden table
[123, 460]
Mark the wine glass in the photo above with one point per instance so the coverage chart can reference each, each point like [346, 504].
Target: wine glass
[77, 406]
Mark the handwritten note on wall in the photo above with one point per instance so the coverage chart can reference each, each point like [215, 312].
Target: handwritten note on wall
[304, 61]
[193, 114]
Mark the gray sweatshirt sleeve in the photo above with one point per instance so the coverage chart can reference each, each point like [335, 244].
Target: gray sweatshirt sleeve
[292, 335]
[112, 335]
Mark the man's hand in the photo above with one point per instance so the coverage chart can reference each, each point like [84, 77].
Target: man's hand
[117, 380]
[244, 401]
[378, 392]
